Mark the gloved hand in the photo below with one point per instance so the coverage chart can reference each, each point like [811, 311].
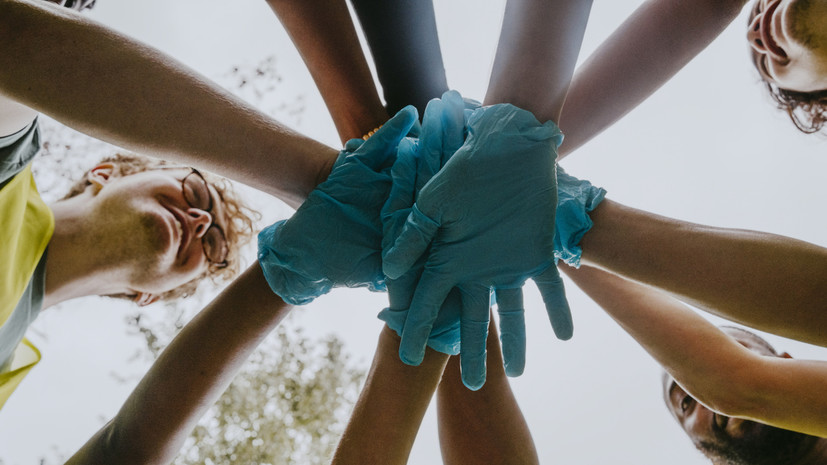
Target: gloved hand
[334, 238]
[575, 199]
[417, 161]
[488, 217]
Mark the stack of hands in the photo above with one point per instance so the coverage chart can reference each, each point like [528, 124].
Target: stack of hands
[450, 218]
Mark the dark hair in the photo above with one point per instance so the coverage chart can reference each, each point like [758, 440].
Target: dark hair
[807, 110]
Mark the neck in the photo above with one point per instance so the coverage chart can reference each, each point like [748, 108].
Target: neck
[77, 264]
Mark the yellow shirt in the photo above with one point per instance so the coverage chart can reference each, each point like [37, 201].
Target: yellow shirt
[25, 230]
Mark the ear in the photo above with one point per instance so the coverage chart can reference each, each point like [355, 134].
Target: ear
[100, 175]
[144, 298]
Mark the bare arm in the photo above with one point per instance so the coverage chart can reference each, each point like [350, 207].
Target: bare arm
[324, 35]
[714, 368]
[484, 426]
[188, 377]
[772, 283]
[536, 54]
[390, 408]
[650, 47]
[134, 96]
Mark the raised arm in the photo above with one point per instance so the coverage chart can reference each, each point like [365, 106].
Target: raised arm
[650, 47]
[134, 96]
[188, 377]
[769, 282]
[323, 33]
[711, 366]
[536, 54]
[390, 408]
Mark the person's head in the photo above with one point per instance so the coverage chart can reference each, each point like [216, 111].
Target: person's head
[170, 225]
[732, 441]
[788, 42]
[77, 5]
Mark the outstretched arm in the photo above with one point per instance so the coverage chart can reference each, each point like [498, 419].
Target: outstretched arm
[650, 47]
[485, 426]
[772, 283]
[134, 96]
[711, 366]
[188, 377]
[390, 408]
[323, 33]
[536, 54]
[403, 40]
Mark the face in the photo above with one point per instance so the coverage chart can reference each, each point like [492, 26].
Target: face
[168, 225]
[788, 40]
[726, 439]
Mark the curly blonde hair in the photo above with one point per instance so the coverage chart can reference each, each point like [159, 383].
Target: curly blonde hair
[238, 231]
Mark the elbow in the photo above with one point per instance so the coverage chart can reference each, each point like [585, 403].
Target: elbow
[737, 394]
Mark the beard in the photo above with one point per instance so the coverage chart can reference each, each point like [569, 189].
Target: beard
[764, 445]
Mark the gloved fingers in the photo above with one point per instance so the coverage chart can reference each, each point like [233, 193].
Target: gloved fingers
[413, 240]
[403, 173]
[381, 146]
[551, 288]
[431, 291]
[512, 329]
[453, 124]
[430, 143]
[473, 334]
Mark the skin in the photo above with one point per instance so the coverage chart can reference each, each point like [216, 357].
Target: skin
[164, 250]
[788, 43]
[721, 373]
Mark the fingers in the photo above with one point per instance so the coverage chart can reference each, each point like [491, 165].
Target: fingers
[403, 174]
[512, 329]
[381, 146]
[431, 291]
[473, 334]
[554, 295]
[430, 148]
[416, 235]
[453, 124]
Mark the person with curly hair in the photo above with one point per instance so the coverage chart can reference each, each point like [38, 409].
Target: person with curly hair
[788, 43]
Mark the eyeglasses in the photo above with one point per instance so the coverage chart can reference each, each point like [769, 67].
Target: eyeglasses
[197, 194]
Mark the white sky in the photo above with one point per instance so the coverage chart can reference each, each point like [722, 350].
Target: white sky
[708, 147]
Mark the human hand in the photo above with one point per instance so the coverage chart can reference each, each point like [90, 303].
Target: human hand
[575, 199]
[417, 161]
[334, 238]
[502, 176]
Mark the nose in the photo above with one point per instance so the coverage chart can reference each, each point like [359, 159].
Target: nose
[199, 221]
[754, 34]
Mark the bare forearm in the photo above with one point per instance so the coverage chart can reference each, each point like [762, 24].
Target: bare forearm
[536, 54]
[189, 376]
[713, 367]
[768, 282]
[324, 35]
[390, 408]
[650, 47]
[484, 426]
[119, 90]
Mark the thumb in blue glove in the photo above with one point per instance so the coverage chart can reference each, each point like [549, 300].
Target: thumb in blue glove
[334, 238]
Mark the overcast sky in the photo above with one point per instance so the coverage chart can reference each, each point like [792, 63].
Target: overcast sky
[708, 147]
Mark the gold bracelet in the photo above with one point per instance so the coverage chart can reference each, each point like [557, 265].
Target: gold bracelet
[370, 133]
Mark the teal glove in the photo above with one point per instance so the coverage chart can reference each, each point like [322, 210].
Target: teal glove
[488, 218]
[575, 199]
[417, 161]
[334, 238]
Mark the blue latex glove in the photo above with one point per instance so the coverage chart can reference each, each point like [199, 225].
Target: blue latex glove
[417, 161]
[576, 198]
[488, 217]
[334, 238]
